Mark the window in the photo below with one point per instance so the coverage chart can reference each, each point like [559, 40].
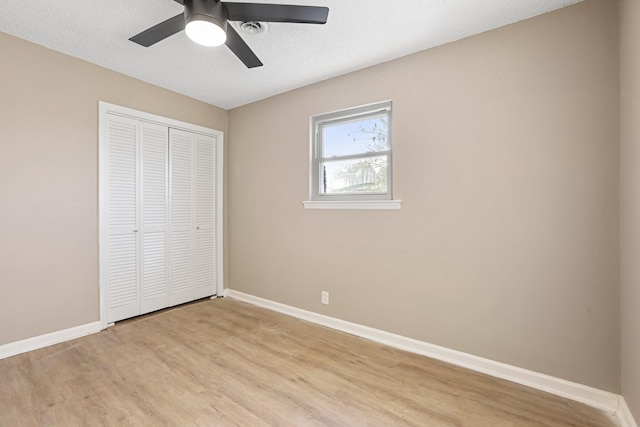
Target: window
[351, 155]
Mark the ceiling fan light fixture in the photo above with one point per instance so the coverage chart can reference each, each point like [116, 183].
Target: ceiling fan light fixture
[206, 22]
[203, 30]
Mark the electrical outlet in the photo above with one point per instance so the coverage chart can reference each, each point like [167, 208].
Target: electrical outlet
[325, 297]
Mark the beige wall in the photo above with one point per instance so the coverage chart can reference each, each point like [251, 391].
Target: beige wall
[506, 159]
[49, 181]
[630, 200]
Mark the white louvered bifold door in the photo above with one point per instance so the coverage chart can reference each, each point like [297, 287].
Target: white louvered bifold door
[181, 216]
[159, 208]
[121, 186]
[205, 199]
[154, 276]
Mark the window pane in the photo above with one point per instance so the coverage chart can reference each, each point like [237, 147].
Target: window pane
[355, 137]
[355, 176]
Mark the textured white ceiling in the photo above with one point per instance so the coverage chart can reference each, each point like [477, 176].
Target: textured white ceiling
[358, 34]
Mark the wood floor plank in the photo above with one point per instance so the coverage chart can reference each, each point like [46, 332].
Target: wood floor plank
[227, 363]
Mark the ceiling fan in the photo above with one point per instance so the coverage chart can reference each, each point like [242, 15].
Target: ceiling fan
[206, 23]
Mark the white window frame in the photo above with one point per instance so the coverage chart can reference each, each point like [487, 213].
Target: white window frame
[349, 201]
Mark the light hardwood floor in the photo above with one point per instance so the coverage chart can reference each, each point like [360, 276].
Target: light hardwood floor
[223, 362]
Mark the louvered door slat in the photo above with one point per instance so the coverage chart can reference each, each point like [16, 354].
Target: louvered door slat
[181, 153]
[205, 267]
[205, 263]
[153, 213]
[121, 175]
[122, 270]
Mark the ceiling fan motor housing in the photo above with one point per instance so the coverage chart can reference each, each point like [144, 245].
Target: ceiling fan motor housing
[206, 10]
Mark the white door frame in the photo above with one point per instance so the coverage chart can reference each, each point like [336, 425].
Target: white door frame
[106, 108]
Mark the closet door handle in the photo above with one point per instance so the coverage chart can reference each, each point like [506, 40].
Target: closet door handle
[197, 227]
[135, 230]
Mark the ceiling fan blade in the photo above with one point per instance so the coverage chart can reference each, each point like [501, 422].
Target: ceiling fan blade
[240, 48]
[179, 1]
[277, 13]
[160, 31]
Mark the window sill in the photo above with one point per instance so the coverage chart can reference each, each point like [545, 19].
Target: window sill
[360, 204]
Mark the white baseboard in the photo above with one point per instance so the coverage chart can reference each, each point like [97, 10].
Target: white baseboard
[624, 415]
[609, 402]
[40, 341]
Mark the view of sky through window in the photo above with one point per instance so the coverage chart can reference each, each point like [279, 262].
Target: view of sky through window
[355, 137]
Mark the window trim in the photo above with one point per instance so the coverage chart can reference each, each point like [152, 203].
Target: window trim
[334, 201]
[353, 205]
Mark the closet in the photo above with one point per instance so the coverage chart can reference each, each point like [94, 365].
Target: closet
[160, 212]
